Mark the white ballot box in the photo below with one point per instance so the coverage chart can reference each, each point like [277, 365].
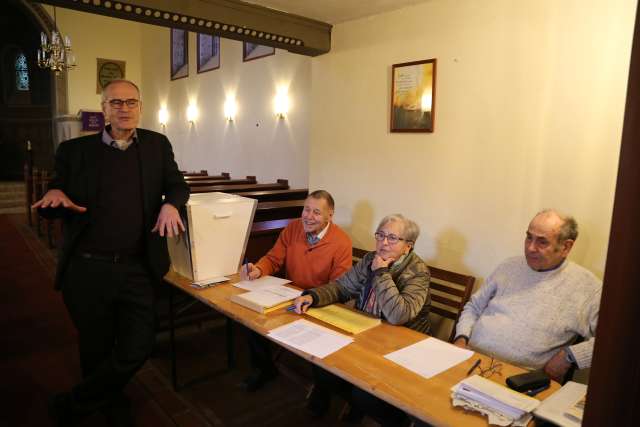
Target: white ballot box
[218, 227]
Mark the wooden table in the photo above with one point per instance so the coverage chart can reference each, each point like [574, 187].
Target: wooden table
[362, 363]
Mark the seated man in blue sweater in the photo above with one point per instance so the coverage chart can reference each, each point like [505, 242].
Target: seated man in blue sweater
[531, 309]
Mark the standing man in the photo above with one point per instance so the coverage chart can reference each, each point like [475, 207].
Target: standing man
[108, 189]
[314, 251]
[531, 309]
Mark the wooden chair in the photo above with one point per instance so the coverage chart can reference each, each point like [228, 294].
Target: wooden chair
[450, 291]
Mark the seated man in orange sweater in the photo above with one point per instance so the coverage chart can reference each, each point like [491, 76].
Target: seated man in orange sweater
[313, 251]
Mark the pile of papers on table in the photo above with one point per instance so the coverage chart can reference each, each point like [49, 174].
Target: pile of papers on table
[500, 404]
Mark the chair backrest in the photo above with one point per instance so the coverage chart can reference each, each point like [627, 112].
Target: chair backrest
[450, 291]
[357, 254]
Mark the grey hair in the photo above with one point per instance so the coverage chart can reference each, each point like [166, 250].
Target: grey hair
[112, 82]
[569, 227]
[410, 230]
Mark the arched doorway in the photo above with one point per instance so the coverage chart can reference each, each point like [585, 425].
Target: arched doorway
[29, 96]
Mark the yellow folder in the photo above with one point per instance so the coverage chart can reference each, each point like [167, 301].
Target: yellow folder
[344, 318]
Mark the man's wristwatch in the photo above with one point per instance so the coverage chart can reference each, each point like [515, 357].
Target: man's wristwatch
[568, 356]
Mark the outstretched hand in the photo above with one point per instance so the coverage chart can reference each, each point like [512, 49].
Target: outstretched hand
[168, 222]
[56, 198]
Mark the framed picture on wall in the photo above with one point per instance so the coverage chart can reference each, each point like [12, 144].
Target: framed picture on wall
[208, 52]
[413, 96]
[251, 51]
[108, 70]
[179, 53]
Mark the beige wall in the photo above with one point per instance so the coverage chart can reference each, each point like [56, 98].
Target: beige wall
[256, 142]
[529, 108]
[96, 36]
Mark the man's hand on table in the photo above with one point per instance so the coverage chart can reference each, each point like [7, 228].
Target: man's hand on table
[557, 366]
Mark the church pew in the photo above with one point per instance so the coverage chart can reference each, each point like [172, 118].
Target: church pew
[266, 211]
[263, 236]
[222, 176]
[275, 195]
[281, 184]
[208, 182]
[203, 172]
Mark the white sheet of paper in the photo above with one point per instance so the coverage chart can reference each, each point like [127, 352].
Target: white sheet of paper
[310, 338]
[429, 357]
[261, 283]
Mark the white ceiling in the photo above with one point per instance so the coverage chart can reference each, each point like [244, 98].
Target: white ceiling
[335, 11]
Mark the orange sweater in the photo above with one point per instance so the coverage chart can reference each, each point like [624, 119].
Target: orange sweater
[306, 265]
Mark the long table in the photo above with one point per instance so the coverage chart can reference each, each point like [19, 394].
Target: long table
[362, 362]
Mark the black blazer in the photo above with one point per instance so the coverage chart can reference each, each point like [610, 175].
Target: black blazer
[77, 175]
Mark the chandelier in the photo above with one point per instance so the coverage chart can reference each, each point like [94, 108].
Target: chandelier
[55, 55]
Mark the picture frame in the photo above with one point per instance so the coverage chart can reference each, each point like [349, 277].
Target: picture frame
[108, 70]
[179, 53]
[251, 51]
[208, 47]
[413, 97]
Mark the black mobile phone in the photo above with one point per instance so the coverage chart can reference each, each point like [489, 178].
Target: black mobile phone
[528, 381]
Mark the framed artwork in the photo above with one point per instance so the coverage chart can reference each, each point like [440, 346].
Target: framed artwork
[251, 51]
[108, 70]
[413, 96]
[179, 53]
[208, 52]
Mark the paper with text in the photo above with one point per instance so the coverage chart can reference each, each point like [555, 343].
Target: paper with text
[310, 338]
[429, 357]
[263, 282]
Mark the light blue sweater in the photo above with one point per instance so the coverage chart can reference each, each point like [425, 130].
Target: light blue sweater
[524, 317]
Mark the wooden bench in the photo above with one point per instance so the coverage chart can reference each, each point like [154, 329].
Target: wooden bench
[450, 291]
[266, 211]
[201, 173]
[223, 176]
[275, 195]
[208, 182]
[281, 184]
[263, 236]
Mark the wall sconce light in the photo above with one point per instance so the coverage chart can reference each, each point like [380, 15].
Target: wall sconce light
[192, 113]
[163, 116]
[281, 103]
[230, 109]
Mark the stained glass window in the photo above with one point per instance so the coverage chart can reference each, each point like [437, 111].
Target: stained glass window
[22, 72]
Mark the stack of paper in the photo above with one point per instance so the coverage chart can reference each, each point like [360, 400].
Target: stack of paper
[500, 404]
[310, 338]
[343, 318]
[267, 299]
[429, 357]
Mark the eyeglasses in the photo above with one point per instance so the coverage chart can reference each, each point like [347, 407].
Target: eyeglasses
[494, 368]
[391, 238]
[119, 103]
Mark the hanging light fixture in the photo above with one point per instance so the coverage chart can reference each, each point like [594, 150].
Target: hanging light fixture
[56, 55]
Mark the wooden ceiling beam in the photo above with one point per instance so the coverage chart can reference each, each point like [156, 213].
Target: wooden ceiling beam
[230, 19]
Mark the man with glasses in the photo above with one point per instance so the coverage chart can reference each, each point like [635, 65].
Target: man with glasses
[108, 189]
[531, 309]
[313, 251]
[391, 283]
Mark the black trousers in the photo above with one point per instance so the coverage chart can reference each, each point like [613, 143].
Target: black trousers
[112, 308]
[326, 384]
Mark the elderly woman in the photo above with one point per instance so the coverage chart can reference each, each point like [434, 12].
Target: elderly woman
[391, 283]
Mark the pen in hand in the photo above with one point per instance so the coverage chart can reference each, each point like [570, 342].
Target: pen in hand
[293, 307]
